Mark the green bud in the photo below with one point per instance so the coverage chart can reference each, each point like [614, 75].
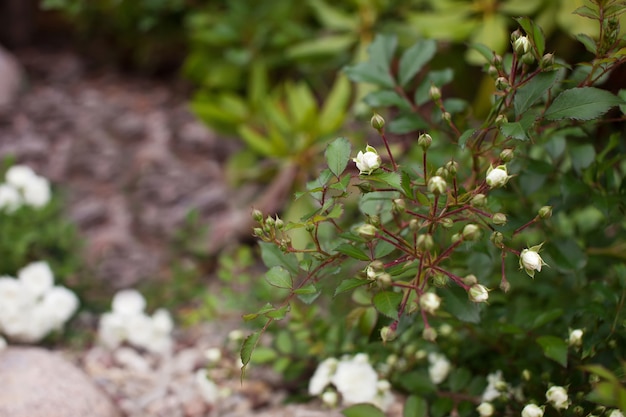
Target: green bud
[526, 375]
[502, 83]
[505, 286]
[424, 141]
[478, 293]
[452, 167]
[377, 122]
[497, 239]
[579, 410]
[364, 187]
[442, 172]
[440, 280]
[545, 212]
[377, 265]
[501, 119]
[257, 215]
[497, 62]
[515, 35]
[270, 221]
[374, 220]
[528, 58]
[507, 155]
[425, 242]
[499, 219]
[309, 227]
[258, 232]
[479, 200]
[456, 237]
[437, 185]
[429, 334]
[414, 224]
[493, 71]
[470, 280]
[521, 45]
[387, 334]
[398, 205]
[446, 222]
[547, 61]
[446, 117]
[383, 280]
[279, 223]
[367, 231]
[471, 232]
[434, 92]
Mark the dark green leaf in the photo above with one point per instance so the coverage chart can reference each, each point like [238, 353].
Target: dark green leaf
[467, 135]
[337, 155]
[366, 72]
[582, 156]
[362, 410]
[587, 11]
[546, 317]
[585, 103]
[414, 59]
[459, 379]
[352, 251]
[382, 50]
[387, 302]
[484, 50]
[554, 348]
[248, 347]
[456, 302]
[407, 124]
[513, 130]
[279, 277]
[350, 284]
[532, 91]
[415, 406]
[386, 98]
[588, 42]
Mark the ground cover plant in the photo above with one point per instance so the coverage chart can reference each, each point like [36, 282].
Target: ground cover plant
[475, 259]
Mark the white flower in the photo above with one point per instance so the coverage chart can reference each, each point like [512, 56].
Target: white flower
[162, 321]
[437, 185]
[616, 413]
[355, 380]
[330, 398]
[557, 396]
[208, 389]
[531, 410]
[321, 377]
[478, 293]
[430, 302]
[495, 386]
[530, 261]
[367, 162]
[13, 297]
[128, 302]
[213, 355]
[439, 367]
[485, 409]
[37, 278]
[10, 199]
[61, 304]
[384, 397]
[497, 177]
[112, 330]
[35, 189]
[576, 337]
[20, 176]
[140, 332]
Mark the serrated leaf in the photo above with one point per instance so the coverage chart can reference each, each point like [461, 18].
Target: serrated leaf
[588, 42]
[414, 59]
[273, 256]
[308, 289]
[247, 348]
[513, 130]
[415, 407]
[362, 410]
[337, 155]
[387, 302]
[458, 304]
[532, 91]
[279, 277]
[554, 348]
[352, 251]
[587, 11]
[278, 313]
[349, 284]
[585, 103]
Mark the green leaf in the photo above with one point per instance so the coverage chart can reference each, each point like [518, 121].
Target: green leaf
[513, 130]
[337, 155]
[350, 284]
[459, 379]
[362, 410]
[256, 141]
[352, 251]
[415, 406]
[382, 49]
[273, 256]
[532, 91]
[247, 348]
[279, 277]
[414, 59]
[458, 304]
[585, 103]
[387, 302]
[467, 135]
[407, 124]
[535, 34]
[484, 50]
[588, 42]
[335, 106]
[366, 72]
[582, 156]
[386, 98]
[554, 348]
[278, 313]
[546, 317]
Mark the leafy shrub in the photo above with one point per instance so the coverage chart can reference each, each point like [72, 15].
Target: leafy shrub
[530, 200]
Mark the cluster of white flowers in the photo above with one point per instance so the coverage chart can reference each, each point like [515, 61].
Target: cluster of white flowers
[354, 378]
[31, 306]
[22, 187]
[496, 386]
[128, 322]
[439, 367]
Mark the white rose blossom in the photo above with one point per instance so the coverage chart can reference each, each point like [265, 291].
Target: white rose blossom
[478, 293]
[557, 396]
[439, 367]
[532, 410]
[128, 302]
[368, 161]
[430, 302]
[355, 380]
[207, 388]
[497, 177]
[37, 278]
[616, 413]
[10, 198]
[34, 188]
[576, 337]
[321, 377]
[485, 409]
[531, 261]
[496, 385]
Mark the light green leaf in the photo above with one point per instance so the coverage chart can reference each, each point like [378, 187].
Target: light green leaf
[320, 47]
[414, 59]
[387, 303]
[513, 130]
[279, 277]
[333, 111]
[337, 155]
[367, 72]
[350, 284]
[554, 348]
[362, 410]
[415, 407]
[352, 251]
[247, 348]
[532, 91]
[334, 18]
[273, 256]
[585, 103]
[582, 156]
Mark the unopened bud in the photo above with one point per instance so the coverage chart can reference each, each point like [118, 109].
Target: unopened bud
[501, 119]
[424, 141]
[479, 200]
[383, 280]
[545, 212]
[387, 334]
[515, 35]
[497, 62]
[446, 116]
[440, 280]
[526, 375]
[452, 167]
[521, 45]
[492, 71]
[377, 122]
[398, 205]
[502, 83]
[478, 293]
[499, 219]
[258, 231]
[470, 280]
[497, 239]
[270, 221]
[375, 220]
[414, 224]
[446, 222]
[429, 334]
[309, 227]
[367, 231]
[442, 172]
[437, 185]
[547, 61]
[425, 242]
[434, 92]
[528, 58]
[279, 223]
[377, 265]
[505, 286]
[456, 237]
[507, 155]
[471, 232]
[257, 215]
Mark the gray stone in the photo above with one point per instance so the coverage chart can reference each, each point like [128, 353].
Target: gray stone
[10, 79]
[39, 383]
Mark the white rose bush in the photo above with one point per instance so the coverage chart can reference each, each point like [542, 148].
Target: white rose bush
[478, 263]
